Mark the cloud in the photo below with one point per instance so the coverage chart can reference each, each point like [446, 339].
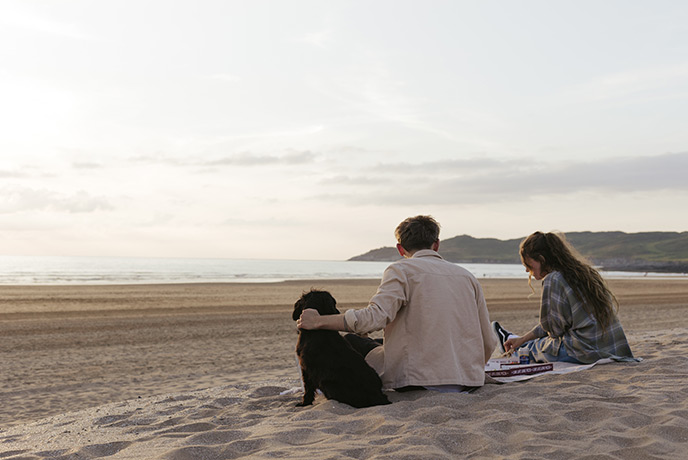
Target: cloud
[13, 200]
[663, 172]
[318, 39]
[224, 77]
[39, 24]
[458, 166]
[482, 180]
[249, 159]
[624, 85]
[158, 159]
[10, 174]
[86, 165]
[259, 223]
[82, 202]
[356, 181]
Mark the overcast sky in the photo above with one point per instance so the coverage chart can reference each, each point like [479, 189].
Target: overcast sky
[310, 129]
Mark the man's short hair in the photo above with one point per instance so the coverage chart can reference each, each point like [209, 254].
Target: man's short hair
[418, 232]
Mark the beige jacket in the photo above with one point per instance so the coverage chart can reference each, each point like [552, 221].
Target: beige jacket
[436, 325]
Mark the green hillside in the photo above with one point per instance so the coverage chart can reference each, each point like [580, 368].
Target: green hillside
[645, 251]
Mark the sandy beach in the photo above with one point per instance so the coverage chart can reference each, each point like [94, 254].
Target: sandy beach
[203, 371]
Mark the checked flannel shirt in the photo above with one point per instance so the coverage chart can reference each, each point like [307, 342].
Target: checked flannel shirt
[564, 322]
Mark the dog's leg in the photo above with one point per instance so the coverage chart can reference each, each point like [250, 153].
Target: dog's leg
[309, 390]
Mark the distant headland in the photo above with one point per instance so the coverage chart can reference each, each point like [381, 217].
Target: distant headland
[665, 252]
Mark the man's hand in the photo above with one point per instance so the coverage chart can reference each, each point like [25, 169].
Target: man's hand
[310, 319]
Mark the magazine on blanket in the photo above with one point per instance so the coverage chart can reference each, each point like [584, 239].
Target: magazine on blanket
[524, 369]
[509, 367]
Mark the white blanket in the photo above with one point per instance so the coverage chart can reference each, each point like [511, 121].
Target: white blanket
[559, 368]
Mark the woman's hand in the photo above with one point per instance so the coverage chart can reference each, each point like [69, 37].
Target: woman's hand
[513, 343]
[310, 319]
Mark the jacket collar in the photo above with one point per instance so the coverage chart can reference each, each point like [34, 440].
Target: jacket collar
[426, 253]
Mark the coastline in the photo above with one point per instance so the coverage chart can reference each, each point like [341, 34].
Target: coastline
[100, 271]
[78, 354]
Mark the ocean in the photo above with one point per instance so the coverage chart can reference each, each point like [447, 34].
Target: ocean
[35, 270]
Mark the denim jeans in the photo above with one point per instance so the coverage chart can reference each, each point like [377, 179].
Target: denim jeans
[536, 354]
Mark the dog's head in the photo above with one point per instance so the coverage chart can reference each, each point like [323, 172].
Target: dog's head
[318, 300]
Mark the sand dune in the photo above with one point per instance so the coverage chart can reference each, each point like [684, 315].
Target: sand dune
[197, 372]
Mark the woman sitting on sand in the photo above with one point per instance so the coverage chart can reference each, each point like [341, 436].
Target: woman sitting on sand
[578, 321]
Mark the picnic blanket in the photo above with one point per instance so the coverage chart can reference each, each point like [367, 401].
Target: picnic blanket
[558, 368]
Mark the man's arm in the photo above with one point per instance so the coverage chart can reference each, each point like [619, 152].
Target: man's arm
[311, 319]
[489, 339]
[371, 318]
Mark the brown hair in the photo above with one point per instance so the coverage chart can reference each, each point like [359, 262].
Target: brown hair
[418, 232]
[555, 254]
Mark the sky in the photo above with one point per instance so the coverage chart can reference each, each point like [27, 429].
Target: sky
[310, 129]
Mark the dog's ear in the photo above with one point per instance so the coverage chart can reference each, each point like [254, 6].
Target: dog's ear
[334, 303]
[298, 308]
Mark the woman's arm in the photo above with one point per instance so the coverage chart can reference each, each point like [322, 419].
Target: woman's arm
[512, 344]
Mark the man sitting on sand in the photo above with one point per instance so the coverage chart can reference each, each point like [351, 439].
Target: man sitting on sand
[437, 332]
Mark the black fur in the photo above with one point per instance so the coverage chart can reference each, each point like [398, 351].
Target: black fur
[330, 364]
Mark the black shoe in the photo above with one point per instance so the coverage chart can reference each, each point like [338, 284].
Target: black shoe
[502, 334]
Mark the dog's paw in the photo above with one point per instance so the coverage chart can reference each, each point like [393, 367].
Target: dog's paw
[303, 404]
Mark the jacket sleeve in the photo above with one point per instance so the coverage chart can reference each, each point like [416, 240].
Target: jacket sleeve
[489, 339]
[391, 295]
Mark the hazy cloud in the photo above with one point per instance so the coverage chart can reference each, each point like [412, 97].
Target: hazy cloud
[224, 77]
[82, 202]
[14, 200]
[359, 180]
[10, 174]
[624, 85]
[490, 181]
[249, 159]
[253, 223]
[86, 165]
[458, 166]
[44, 25]
[318, 39]
[239, 159]
[157, 159]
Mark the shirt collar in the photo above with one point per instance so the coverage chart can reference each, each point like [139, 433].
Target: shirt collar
[426, 253]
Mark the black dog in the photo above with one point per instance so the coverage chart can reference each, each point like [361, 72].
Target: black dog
[330, 364]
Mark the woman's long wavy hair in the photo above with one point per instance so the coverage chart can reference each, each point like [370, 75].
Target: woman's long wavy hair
[555, 254]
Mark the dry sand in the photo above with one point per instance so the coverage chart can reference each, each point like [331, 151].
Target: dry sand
[196, 371]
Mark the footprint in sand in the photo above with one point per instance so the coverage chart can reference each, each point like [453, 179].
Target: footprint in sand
[216, 437]
[50, 453]
[12, 453]
[188, 430]
[266, 391]
[224, 402]
[102, 450]
[108, 419]
[234, 449]
[588, 414]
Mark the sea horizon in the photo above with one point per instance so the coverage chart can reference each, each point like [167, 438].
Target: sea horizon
[97, 270]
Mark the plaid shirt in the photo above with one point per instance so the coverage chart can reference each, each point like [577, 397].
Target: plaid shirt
[564, 321]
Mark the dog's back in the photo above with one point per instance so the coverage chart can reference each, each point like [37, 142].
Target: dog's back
[330, 364]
